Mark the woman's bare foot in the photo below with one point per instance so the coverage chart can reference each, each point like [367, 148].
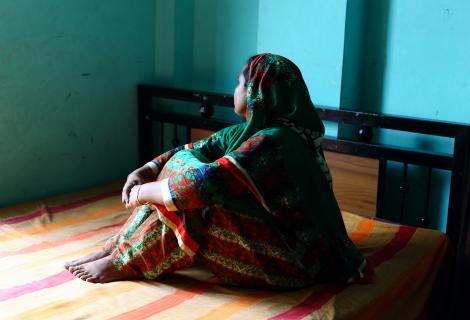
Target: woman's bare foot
[99, 271]
[88, 258]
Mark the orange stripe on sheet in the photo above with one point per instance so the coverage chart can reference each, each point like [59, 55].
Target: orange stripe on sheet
[406, 282]
[227, 309]
[363, 230]
[66, 222]
[169, 301]
[51, 244]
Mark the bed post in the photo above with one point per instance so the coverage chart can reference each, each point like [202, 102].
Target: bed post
[144, 101]
[458, 225]
[381, 182]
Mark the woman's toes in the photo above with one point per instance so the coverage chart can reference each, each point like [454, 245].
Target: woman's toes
[98, 271]
[72, 269]
[87, 277]
[83, 276]
[78, 270]
[88, 258]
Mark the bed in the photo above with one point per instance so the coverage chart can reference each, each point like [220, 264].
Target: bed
[419, 272]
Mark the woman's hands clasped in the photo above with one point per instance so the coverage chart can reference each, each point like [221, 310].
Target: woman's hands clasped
[133, 183]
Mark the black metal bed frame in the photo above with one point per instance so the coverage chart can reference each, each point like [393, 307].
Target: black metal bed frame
[458, 163]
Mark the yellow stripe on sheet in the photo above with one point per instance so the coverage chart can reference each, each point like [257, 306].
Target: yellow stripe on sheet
[80, 299]
[276, 304]
[192, 307]
[169, 303]
[12, 233]
[63, 308]
[350, 221]
[236, 305]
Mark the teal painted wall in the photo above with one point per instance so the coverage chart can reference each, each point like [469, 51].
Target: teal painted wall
[236, 40]
[311, 34]
[68, 76]
[427, 69]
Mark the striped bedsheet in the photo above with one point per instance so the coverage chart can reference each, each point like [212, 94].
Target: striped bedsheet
[37, 238]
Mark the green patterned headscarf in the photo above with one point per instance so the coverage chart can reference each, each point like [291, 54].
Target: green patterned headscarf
[276, 90]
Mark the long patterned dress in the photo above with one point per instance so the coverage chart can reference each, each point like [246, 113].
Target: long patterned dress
[253, 202]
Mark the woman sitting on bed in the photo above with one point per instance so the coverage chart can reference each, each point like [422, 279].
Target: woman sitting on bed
[253, 202]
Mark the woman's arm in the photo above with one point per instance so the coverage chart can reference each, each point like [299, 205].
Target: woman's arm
[212, 147]
[149, 192]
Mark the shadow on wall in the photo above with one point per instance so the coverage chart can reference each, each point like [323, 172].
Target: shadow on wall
[203, 44]
[364, 62]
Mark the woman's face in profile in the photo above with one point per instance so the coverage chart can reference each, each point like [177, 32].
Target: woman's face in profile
[239, 95]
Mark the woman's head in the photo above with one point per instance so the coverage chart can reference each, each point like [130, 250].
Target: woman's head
[239, 95]
[271, 88]
[272, 85]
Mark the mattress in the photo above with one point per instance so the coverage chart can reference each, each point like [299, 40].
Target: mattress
[36, 238]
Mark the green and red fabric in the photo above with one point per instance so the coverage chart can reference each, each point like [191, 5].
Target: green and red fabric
[253, 201]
